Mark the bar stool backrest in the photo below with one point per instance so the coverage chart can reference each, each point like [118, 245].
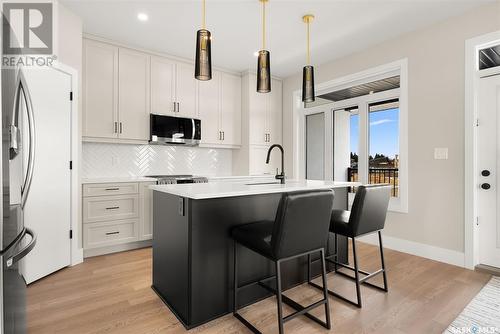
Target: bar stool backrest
[369, 209]
[302, 222]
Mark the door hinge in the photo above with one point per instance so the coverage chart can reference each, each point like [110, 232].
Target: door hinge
[71, 234]
[477, 122]
[71, 165]
[477, 221]
[71, 96]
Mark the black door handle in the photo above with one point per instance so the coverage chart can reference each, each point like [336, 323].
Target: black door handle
[485, 172]
[485, 186]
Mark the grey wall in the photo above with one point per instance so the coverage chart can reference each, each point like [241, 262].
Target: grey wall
[436, 112]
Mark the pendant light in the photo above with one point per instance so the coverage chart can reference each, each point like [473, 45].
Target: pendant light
[308, 70]
[263, 59]
[203, 63]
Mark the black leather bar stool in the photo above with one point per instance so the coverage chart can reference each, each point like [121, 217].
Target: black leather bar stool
[367, 216]
[300, 228]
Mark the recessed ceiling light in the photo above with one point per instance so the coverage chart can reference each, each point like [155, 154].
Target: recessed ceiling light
[142, 17]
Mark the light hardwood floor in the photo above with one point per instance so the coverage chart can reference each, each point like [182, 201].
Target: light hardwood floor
[112, 294]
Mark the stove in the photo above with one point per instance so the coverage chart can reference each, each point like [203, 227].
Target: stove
[178, 179]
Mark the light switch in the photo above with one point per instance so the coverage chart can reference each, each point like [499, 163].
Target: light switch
[441, 153]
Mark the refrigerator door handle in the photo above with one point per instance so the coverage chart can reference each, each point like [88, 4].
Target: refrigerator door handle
[26, 249]
[22, 88]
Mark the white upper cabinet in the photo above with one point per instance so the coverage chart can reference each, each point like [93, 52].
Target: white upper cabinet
[123, 86]
[134, 95]
[100, 90]
[274, 113]
[209, 108]
[230, 109]
[186, 90]
[162, 86]
[220, 110]
[257, 113]
[265, 113]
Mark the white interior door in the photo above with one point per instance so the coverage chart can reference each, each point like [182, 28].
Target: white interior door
[488, 159]
[48, 207]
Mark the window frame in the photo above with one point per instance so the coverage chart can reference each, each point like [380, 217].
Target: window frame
[397, 204]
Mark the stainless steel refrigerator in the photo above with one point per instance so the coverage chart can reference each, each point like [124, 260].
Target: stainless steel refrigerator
[17, 157]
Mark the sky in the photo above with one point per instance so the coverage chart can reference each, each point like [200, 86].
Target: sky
[384, 132]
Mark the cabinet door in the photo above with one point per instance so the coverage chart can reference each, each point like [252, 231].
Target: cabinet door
[146, 211]
[231, 109]
[134, 95]
[209, 106]
[257, 109]
[186, 90]
[100, 90]
[274, 113]
[162, 86]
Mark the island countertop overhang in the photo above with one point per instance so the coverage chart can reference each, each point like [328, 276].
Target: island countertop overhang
[234, 189]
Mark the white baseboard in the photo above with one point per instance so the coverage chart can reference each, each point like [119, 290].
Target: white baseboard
[117, 248]
[414, 248]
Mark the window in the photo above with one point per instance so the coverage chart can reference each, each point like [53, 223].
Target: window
[383, 159]
[366, 131]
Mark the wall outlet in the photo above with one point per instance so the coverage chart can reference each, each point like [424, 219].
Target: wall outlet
[441, 153]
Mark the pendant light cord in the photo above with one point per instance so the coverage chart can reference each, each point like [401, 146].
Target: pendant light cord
[308, 44]
[263, 25]
[203, 24]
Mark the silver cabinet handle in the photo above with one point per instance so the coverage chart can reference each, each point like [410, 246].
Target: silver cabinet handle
[110, 189]
[223, 135]
[175, 106]
[178, 107]
[113, 208]
[22, 88]
[111, 233]
[268, 137]
[121, 127]
[116, 127]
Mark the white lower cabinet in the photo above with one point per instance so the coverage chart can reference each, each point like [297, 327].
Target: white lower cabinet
[115, 214]
[110, 233]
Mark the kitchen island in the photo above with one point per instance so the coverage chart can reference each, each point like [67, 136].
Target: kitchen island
[193, 248]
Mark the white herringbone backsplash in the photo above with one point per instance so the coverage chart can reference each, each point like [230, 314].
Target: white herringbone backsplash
[117, 160]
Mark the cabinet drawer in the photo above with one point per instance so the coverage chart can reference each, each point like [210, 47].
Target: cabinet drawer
[106, 189]
[110, 208]
[110, 233]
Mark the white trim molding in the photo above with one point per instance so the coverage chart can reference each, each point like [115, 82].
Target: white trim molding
[76, 144]
[444, 255]
[472, 75]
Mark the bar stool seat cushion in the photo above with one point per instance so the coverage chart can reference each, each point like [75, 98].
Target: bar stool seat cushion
[339, 223]
[256, 236]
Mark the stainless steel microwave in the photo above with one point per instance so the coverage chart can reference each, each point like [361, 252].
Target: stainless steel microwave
[169, 130]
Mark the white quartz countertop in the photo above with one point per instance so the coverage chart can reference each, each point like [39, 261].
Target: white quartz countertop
[233, 189]
[117, 179]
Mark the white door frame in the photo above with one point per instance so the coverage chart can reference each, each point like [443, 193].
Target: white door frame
[472, 75]
[76, 148]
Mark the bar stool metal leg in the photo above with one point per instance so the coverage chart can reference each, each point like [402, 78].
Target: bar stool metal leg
[235, 279]
[356, 272]
[386, 289]
[325, 291]
[278, 296]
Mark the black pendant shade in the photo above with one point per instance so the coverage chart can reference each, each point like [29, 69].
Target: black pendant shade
[308, 94]
[203, 64]
[263, 72]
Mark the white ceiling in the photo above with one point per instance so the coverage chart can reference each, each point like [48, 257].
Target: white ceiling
[340, 27]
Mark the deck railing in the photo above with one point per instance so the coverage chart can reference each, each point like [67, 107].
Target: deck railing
[378, 175]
